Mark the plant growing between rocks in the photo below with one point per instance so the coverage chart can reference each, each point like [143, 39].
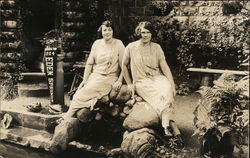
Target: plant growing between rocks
[222, 116]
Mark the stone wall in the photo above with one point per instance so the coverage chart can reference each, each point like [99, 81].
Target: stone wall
[126, 13]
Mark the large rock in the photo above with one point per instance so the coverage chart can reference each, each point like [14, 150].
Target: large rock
[65, 132]
[142, 115]
[139, 143]
[84, 115]
[121, 95]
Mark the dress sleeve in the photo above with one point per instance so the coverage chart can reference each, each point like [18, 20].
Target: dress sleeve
[91, 58]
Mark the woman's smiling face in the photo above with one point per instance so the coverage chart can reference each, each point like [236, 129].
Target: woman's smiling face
[107, 32]
[145, 35]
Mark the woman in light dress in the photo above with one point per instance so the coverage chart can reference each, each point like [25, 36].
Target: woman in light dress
[151, 77]
[102, 71]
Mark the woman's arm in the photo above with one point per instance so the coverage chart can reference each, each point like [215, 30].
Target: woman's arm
[88, 67]
[87, 71]
[117, 85]
[125, 63]
[121, 52]
[125, 72]
[165, 69]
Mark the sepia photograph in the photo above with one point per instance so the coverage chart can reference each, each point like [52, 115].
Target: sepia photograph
[124, 78]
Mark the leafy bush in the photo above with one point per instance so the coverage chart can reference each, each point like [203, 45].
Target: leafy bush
[220, 40]
[161, 7]
[212, 39]
[183, 89]
[231, 7]
[223, 110]
[8, 89]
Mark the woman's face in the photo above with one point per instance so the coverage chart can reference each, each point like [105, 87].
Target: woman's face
[145, 35]
[107, 32]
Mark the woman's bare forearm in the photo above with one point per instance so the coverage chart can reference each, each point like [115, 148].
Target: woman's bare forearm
[126, 74]
[167, 72]
[87, 72]
[120, 64]
[120, 79]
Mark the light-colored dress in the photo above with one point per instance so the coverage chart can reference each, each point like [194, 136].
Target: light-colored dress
[104, 74]
[148, 79]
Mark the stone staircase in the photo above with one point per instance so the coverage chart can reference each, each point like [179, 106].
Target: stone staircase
[33, 84]
[28, 128]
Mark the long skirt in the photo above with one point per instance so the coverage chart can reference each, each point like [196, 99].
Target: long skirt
[157, 92]
[96, 87]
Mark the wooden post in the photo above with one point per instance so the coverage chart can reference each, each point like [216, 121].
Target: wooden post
[59, 81]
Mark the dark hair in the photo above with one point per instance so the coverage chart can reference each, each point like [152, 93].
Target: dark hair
[106, 23]
[146, 25]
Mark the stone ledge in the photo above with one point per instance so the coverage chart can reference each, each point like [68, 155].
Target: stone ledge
[26, 137]
[41, 139]
[32, 120]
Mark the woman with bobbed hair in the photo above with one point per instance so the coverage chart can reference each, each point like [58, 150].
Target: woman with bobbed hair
[102, 71]
[151, 77]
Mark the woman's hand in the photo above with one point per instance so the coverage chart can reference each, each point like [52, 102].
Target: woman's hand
[117, 85]
[131, 90]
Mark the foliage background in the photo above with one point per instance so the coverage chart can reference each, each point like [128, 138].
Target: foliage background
[191, 33]
[200, 34]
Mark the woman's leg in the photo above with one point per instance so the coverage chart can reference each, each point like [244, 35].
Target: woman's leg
[174, 128]
[168, 124]
[170, 128]
[70, 113]
[75, 103]
[165, 121]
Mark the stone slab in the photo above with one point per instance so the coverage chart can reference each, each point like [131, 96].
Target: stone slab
[26, 137]
[39, 139]
[32, 120]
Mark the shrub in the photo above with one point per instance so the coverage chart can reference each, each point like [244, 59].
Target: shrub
[8, 89]
[218, 40]
[222, 112]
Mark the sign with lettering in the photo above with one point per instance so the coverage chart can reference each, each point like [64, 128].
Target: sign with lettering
[50, 70]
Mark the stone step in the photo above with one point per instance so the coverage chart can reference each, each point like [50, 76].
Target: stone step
[32, 120]
[9, 150]
[40, 77]
[40, 140]
[26, 137]
[34, 84]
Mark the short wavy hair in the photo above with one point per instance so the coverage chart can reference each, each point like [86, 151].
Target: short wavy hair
[146, 25]
[106, 23]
